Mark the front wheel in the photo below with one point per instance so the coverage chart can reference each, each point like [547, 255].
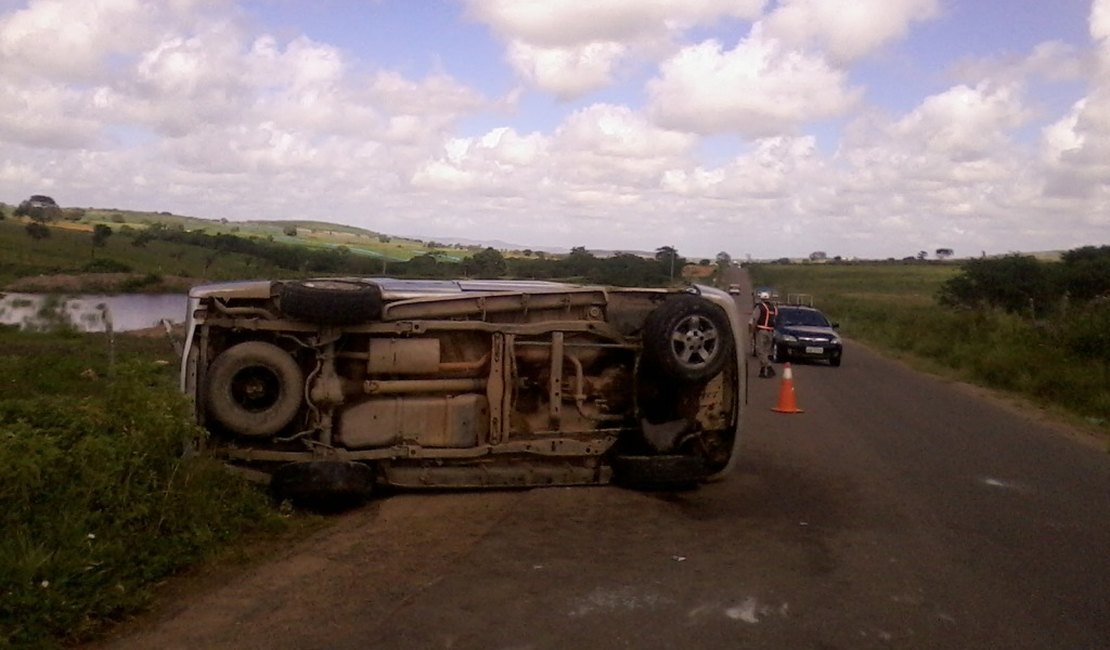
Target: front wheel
[834, 361]
[689, 338]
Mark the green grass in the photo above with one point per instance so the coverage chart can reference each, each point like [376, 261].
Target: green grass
[70, 251]
[1057, 365]
[69, 248]
[97, 502]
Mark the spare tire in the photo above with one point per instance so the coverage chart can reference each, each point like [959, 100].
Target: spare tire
[331, 301]
[254, 388]
[688, 338]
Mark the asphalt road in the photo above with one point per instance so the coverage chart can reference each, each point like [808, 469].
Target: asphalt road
[897, 511]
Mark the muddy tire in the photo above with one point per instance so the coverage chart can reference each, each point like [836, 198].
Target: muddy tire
[323, 484]
[331, 301]
[667, 472]
[688, 338]
[254, 389]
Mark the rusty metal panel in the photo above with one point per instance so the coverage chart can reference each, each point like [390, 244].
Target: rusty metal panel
[451, 421]
[498, 388]
[403, 356]
[714, 404]
[555, 394]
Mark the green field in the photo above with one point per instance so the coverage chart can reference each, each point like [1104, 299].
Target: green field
[1056, 364]
[69, 248]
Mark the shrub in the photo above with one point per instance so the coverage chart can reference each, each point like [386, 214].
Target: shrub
[106, 266]
[98, 502]
[37, 231]
[141, 282]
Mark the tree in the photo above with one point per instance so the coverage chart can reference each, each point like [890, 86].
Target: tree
[665, 254]
[142, 238]
[289, 231]
[3, 213]
[818, 256]
[668, 256]
[1014, 283]
[488, 263]
[37, 231]
[921, 255]
[1085, 272]
[943, 253]
[100, 235]
[723, 259]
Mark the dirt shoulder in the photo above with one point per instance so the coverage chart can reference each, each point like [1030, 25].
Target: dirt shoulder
[102, 283]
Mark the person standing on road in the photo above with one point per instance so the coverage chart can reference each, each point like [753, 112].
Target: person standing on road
[763, 318]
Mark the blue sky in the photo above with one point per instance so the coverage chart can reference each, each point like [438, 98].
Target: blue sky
[862, 128]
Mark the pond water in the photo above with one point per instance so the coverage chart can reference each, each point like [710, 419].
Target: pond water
[91, 313]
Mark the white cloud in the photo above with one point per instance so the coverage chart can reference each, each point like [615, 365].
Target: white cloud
[758, 89]
[566, 72]
[75, 40]
[572, 47]
[963, 124]
[774, 169]
[49, 115]
[186, 106]
[846, 29]
[1100, 20]
[1076, 148]
[600, 151]
[577, 22]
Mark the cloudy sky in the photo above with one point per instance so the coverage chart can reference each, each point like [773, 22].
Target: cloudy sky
[863, 128]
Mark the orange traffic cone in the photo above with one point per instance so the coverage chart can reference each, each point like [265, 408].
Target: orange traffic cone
[787, 401]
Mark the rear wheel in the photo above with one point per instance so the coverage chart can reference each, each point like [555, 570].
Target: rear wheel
[323, 484]
[666, 472]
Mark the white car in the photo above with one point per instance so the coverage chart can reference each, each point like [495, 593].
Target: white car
[334, 386]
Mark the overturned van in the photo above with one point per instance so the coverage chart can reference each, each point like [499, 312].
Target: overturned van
[335, 386]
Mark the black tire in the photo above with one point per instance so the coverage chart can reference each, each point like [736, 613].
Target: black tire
[332, 301]
[834, 361]
[254, 389]
[689, 338]
[323, 484]
[778, 355]
[667, 472]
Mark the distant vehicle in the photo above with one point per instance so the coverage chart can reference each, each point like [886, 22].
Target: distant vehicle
[334, 386]
[734, 289]
[805, 333]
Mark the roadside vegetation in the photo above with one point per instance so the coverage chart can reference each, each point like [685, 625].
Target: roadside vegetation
[170, 254]
[1034, 328]
[98, 503]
